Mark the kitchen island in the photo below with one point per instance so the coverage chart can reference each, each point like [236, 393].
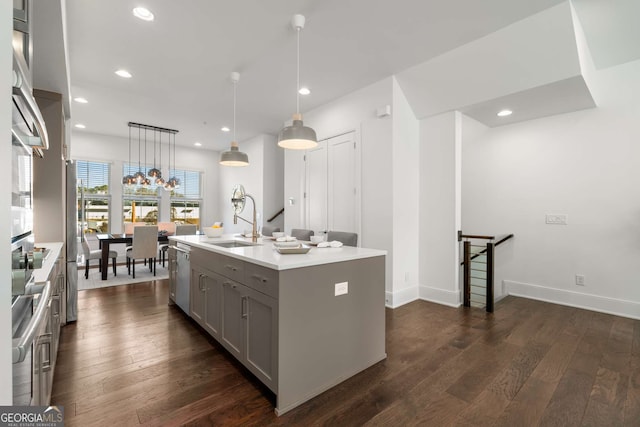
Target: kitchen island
[301, 323]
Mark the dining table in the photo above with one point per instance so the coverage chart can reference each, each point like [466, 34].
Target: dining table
[106, 240]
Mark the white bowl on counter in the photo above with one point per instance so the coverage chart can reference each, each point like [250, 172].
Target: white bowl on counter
[213, 232]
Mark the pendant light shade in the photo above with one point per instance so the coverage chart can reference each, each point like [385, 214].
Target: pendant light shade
[234, 157]
[297, 136]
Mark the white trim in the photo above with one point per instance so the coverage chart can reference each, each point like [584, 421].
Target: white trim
[401, 297]
[618, 307]
[439, 296]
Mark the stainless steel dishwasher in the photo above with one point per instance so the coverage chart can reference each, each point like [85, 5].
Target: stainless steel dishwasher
[183, 275]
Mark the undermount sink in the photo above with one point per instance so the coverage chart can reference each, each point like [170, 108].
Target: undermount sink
[234, 244]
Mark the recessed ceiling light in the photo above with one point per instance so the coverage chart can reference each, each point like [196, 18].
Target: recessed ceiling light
[197, 144]
[124, 73]
[80, 100]
[80, 126]
[225, 129]
[505, 113]
[143, 13]
[304, 91]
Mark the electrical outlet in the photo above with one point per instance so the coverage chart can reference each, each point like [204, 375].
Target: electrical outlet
[557, 219]
[342, 288]
[579, 279]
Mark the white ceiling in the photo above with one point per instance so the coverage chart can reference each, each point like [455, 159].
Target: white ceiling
[182, 60]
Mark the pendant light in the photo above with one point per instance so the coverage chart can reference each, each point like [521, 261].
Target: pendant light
[128, 180]
[139, 176]
[145, 182]
[234, 157]
[173, 182]
[159, 179]
[297, 136]
[154, 172]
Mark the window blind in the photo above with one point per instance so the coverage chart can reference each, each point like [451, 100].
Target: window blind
[93, 176]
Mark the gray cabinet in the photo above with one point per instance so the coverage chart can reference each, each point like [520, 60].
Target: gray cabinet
[206, 295]
[235, 302]
[173, 274]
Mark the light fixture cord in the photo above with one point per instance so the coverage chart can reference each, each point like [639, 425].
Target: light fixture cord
[145, 147]
[235, 85]
[298, 72]
[154, 148]
[129, 165]
[139, 144]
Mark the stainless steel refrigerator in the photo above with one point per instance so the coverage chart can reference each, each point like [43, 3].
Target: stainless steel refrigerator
[72, 242]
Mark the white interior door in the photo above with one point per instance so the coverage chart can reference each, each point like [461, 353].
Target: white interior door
[341, 194]
[316, 188]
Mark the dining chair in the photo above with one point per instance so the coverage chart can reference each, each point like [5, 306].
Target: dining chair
[144, 246]
[180, 230]
[347, 239]
[95, 254]
[267, 230]
[301, 234]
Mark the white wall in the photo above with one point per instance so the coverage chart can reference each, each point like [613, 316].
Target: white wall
[262, 179]
[584, 164]
[6, 27]
[90, 146]
[406, 195]
[440, 163]
[273, 181]
[355, 112]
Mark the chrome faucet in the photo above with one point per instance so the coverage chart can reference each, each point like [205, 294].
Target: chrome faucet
[240, 200]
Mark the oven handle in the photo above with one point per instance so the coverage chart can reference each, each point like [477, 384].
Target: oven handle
[22, 88]
[23, 345]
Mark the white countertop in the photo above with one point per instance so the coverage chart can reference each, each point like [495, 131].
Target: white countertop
[42, 274]
[264, 253]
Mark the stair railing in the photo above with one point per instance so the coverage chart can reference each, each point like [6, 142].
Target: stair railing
[281, 211]
[478, 269]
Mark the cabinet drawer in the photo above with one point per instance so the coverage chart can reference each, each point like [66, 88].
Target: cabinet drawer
[262, 279]
[229, 267]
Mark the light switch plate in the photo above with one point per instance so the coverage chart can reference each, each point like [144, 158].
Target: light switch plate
[557, 219]
[342, 288]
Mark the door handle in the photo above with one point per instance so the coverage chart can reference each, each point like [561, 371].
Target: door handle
[244, 307]
[231, 267]
[259, 278]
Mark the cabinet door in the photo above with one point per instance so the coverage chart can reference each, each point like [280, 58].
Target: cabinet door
[212, 284]
[261, 320]
[196, 296]
[172, 274]
[234, 308]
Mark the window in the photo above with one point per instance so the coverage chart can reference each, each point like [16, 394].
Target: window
[140, 202]
[186, 200]
[94, 199]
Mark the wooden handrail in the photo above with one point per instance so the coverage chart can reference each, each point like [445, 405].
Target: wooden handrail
[504, 239]
[276, 215]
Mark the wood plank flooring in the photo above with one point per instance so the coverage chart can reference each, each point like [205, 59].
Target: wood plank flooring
[132, 360]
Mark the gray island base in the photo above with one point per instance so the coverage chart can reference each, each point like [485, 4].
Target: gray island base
[301, 325]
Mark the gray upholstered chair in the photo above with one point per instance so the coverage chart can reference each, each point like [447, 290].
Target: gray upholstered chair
[144, 246]
[301, 234]
[347, 239]
[181, 230]
[95, 254]
[185, 229]
[267, 230]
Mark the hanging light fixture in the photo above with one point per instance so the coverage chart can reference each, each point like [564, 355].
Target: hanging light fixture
[154, 172]
[173, 182]
[145, 182]
[234, 157]
[139, 176]
[297, 136]
[159, 180]
[128, 180]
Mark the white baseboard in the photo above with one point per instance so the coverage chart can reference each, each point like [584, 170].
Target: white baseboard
[439, 296]
[401, 297]
[598, 303]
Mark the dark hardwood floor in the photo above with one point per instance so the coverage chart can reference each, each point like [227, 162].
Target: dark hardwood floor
[131, 359]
